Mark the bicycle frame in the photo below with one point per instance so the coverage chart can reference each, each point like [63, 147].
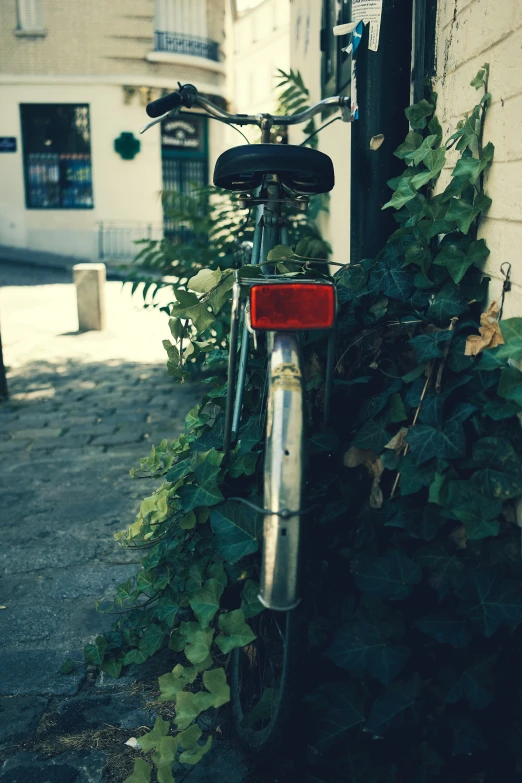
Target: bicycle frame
[284, 454]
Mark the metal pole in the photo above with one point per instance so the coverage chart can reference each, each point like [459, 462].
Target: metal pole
[4, 392]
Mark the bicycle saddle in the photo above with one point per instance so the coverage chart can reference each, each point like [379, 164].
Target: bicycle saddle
[302, 170]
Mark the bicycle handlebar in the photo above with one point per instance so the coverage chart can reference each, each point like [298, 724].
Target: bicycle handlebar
[188, 96]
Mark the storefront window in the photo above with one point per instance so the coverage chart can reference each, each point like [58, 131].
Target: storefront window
[57, 156]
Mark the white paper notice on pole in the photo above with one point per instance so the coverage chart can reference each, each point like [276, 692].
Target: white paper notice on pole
[369, 11]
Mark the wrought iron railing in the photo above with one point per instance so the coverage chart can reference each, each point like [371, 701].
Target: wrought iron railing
[117, 241]
[191, 45]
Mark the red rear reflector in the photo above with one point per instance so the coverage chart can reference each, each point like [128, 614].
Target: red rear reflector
[278, 306]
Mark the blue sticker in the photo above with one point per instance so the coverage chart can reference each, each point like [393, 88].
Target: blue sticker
[357, 35]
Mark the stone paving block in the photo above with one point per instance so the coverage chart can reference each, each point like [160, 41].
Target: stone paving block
[64, 583]
[122, 418]
[31, 671]
[24, 557]
[19, 716]
[38, 422]
[65, 442]
[118, 709]
[13, 445]
[28, 623]
[34, 434]
[91, 429]
[80, 767]
[129, 436]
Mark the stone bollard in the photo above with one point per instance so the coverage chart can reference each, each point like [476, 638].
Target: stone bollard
[89, 280]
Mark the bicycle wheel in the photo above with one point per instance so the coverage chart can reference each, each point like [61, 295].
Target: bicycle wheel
[265, 679]
[265, 674]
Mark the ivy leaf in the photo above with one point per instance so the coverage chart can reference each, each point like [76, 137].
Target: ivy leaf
[207, 469]
[474, 685]
[150, 740]
[396, 410]
[192, 750]
[420, 521]
[446, 304]
[250, 603]
[193, 496]
[501, 476]
[171, 684]
[219, 296]
[391, 577]
[428, 442]
[411, 143]
[418, 113]
[204, 280]
[472, 168]
[481, 77]
[464, 213]
[152, 639]
[197, 313]
[366, 647]
[235, 632]
[467, 737]
[134, 655]
[442, 563]
[510, 386]
[373, 435]
[195, 640]
[190, 705]
[281, 253]
[445, 630]
[430, 346]
[113, 666]
[414, 477]
[479, 516]
[94, 653]
[179, 470]
[488, 601]
[205, 601]
[417, 155]
[237, 531]
[141, 774]
[395, 706]
[345, 709]
[404, 193]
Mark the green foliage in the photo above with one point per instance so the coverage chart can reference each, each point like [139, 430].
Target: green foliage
[415, 585]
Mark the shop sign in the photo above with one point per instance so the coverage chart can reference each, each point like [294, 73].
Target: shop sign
[7, 144]
[181, 133]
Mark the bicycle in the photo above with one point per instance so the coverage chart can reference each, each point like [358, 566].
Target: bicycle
[265, 674]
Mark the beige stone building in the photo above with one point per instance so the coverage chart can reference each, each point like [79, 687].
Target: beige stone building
[470, 33]
[74, 81]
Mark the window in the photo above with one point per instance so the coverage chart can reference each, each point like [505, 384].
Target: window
[187, 17]
[57, 156]
[336, 64]
[30, 16]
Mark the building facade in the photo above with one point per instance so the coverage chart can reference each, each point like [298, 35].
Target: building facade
[469, 34]
[258, 44]
[76, 178]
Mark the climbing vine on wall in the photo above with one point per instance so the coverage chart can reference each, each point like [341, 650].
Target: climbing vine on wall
[415, 591]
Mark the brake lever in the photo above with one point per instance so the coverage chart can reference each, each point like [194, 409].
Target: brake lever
[171, 113]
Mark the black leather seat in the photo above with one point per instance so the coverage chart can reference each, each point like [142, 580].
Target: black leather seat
[301, 169]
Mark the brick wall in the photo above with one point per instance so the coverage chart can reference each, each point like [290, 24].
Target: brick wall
[95, 38]
[470, 33]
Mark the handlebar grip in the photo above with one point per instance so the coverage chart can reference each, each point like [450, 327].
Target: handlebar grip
[165, 104]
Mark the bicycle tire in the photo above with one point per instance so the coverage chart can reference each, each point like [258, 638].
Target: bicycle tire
[283, 719]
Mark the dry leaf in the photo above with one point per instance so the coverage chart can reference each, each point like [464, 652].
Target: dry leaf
[459, 537]
[490, 334]
[133, 742]
[376, 142]
[398, 442]
[373, 464]
[356, 456]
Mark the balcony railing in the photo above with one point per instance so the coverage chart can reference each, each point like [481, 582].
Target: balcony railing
[191, 45]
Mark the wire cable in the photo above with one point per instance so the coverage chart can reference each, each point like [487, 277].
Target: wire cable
[319, 130]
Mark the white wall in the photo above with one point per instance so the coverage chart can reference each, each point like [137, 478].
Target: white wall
[470, 33]
[257, 45]
[335, 141]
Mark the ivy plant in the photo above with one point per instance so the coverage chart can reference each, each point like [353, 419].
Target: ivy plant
[415, 589]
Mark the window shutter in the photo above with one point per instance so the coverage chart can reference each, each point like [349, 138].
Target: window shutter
[184, 17]
[30, 14]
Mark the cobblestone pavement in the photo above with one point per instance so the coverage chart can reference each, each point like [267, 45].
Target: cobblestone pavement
[83, 408]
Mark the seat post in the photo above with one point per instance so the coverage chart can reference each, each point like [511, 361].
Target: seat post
[266, 126]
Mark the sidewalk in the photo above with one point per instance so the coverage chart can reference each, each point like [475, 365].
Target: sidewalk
[83, 409]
